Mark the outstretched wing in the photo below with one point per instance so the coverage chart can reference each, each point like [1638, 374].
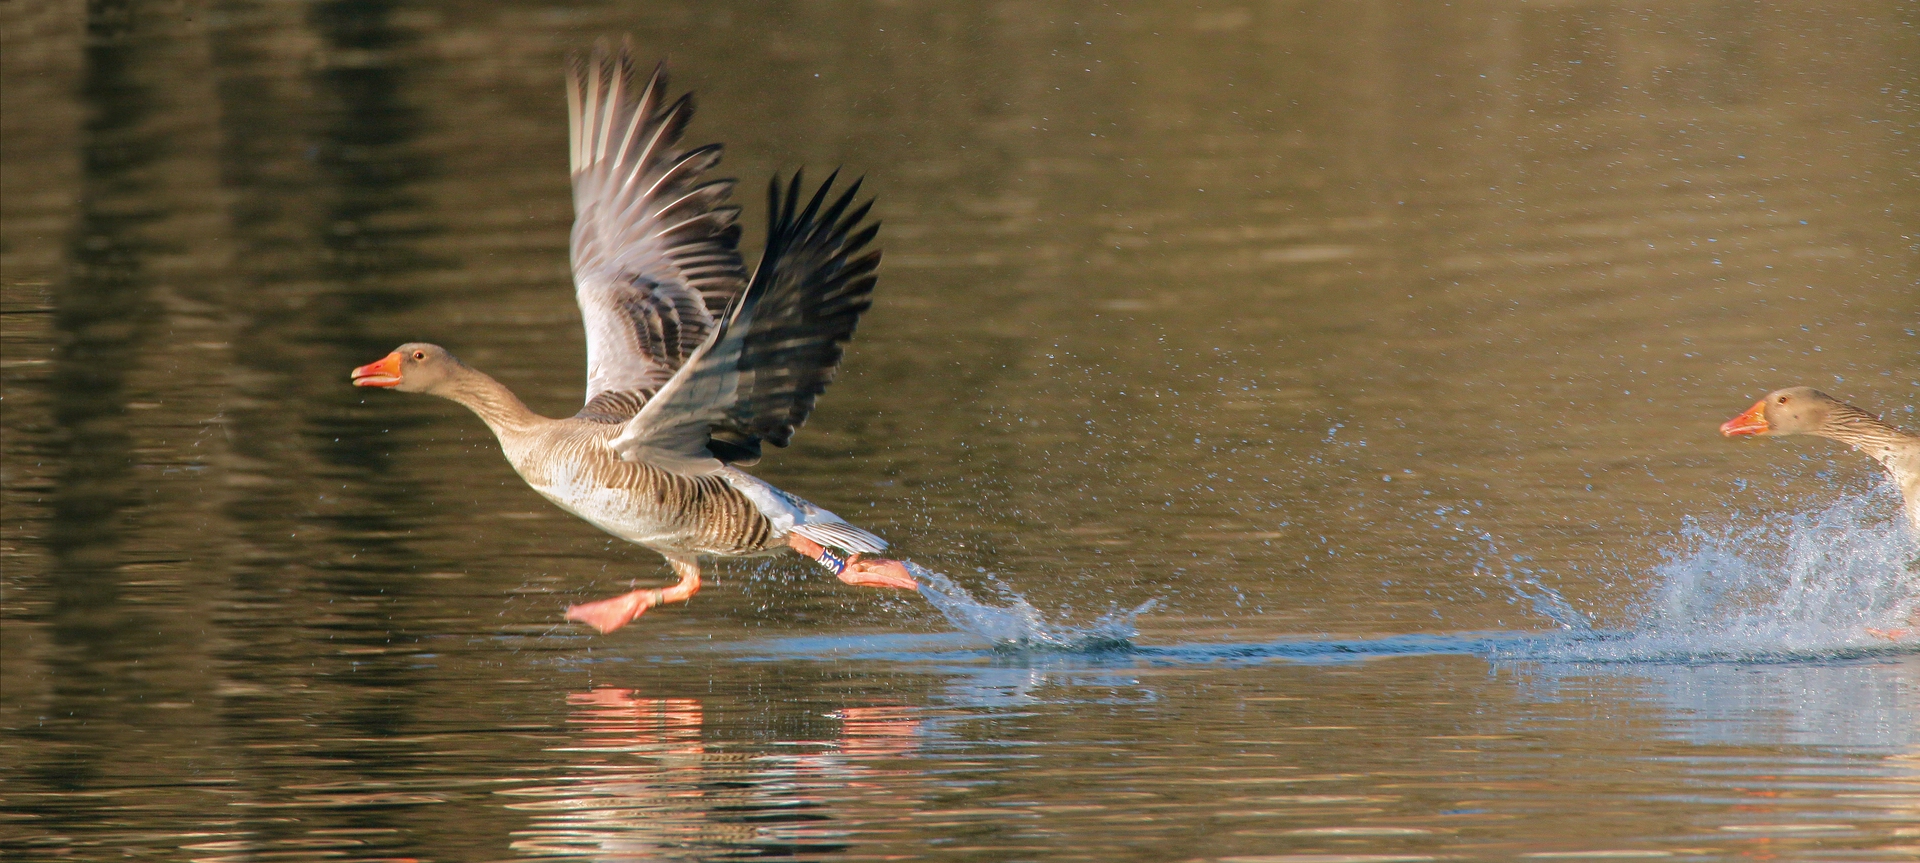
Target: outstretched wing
[656, 257]
[757, 377]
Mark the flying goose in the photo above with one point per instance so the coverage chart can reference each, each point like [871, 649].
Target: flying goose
[692, 364]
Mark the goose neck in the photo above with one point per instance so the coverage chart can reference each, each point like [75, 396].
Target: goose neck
[1865, 432]
[489, 399]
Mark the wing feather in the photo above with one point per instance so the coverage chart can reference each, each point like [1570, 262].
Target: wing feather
[656, 257]
[757, 377]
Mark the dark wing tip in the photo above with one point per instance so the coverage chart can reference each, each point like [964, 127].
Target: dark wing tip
[807, 295]
[734, 448]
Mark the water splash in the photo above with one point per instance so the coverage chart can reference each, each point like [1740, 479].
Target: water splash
[1548, 603]
[1523, 584]
[1794, 586]
[1019, 627]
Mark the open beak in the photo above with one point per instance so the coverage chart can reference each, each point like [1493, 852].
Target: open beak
[1754, 421]
[384, 373]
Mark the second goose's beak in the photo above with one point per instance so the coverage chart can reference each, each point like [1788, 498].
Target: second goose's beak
[1754, 421]
[385, 373]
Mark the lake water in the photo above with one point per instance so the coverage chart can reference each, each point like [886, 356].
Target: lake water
[1303, 414]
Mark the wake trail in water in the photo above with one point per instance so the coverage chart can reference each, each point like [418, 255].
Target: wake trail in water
[1017, 626]
[1793, 587]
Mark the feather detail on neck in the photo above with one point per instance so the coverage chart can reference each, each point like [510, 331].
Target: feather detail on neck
[1896, 450]
[489, 399]
[1865, 432]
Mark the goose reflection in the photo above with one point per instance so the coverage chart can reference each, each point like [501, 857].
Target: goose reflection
[645, 781]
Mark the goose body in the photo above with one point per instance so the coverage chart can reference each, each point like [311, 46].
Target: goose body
[728, 513]
[570, 464]
[692, 364]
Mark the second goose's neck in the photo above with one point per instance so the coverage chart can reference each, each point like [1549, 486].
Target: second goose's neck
[1866, 433]
[1894, 449]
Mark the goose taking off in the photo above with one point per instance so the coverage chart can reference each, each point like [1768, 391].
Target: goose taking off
[1805, 410]
[691, 363]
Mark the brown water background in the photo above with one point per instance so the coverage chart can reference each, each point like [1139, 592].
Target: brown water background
[1381, 345]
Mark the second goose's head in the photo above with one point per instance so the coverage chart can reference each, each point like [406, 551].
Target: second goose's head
[1794, 410]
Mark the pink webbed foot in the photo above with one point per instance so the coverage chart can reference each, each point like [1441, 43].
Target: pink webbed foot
[607, 615]
[1889, 634]
[878, 572]
[860, 571]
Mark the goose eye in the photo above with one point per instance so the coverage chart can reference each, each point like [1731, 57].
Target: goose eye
[419, 355]
[1784, 399]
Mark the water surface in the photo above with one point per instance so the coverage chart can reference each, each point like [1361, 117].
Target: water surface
[1308, 411]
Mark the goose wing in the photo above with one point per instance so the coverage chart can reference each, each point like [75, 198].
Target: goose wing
[757, 376]
[656, 257]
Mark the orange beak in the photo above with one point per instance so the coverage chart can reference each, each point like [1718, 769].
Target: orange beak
[384, 373]
[1754, 421]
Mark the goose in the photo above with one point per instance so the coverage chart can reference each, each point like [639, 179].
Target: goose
[692, 363]
[1805, 410]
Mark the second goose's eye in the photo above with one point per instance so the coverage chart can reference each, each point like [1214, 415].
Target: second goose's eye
[421, 355]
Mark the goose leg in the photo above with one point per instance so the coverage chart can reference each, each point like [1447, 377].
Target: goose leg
[859, 570]
[1913, 626]
[607, 615]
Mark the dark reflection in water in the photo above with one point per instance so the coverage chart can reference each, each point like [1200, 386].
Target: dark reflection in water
[1338, 329]
[106, 312]
[326, 231]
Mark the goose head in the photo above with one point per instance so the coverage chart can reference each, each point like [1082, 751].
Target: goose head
[415, 367]
[1794, 410]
